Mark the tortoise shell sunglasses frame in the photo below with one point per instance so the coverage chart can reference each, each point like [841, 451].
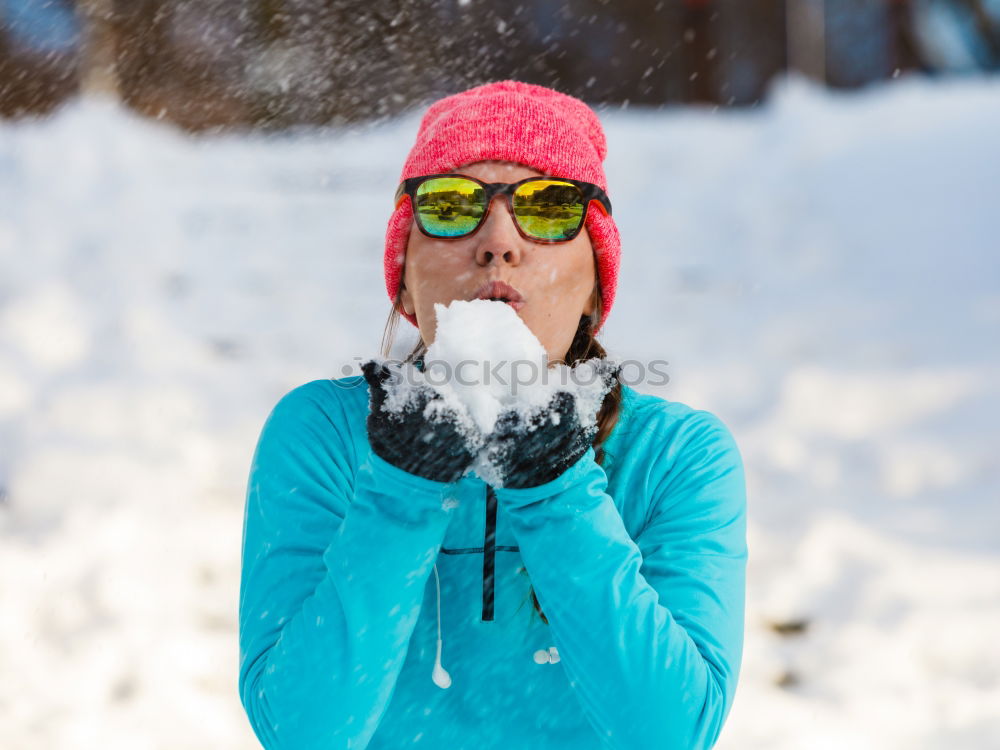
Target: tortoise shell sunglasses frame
[591, 194]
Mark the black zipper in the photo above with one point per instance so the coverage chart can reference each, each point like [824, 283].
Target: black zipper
[489, 553]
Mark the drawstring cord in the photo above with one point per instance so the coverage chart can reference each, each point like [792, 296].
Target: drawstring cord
[440, 675]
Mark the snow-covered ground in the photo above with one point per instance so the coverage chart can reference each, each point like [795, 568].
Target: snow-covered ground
[821, 272]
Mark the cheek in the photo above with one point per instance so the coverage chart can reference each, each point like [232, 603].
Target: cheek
[421, 270]
[586, 264]
[569, 271]
[437, 271]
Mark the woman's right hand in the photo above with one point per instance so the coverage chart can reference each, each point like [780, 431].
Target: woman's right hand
[426, 437]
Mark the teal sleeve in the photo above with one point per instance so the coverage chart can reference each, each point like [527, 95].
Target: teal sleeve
[650, 632]
[333, 574]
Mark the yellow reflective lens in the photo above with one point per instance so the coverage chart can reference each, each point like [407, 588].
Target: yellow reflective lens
[450, 206]
[549, 209]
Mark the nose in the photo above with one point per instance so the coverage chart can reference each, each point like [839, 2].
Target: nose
[498, 237]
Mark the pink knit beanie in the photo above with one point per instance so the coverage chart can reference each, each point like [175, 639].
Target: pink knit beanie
[542, 128]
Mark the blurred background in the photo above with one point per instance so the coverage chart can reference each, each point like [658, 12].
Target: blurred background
[193, 199]
[275, 63]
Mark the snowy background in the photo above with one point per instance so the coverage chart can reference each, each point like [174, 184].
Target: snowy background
[821, 272]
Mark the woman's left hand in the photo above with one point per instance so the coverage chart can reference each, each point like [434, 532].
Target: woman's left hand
[528, 451]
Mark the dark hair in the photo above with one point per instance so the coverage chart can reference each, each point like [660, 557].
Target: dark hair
[584, 346]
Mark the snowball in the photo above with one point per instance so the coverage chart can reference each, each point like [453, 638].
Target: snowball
[484, 360]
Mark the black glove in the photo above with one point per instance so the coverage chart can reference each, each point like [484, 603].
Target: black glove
[440, 446]
[528, 452]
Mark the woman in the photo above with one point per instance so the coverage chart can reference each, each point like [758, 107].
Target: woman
[593, 599]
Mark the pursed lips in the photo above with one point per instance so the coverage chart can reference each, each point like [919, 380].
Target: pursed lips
[500, 291]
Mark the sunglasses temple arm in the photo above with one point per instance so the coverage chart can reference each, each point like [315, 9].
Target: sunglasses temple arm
[600, 206]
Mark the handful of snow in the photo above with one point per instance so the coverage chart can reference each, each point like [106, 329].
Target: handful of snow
[485, 360]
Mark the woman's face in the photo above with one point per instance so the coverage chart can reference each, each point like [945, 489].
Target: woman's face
[555, 280]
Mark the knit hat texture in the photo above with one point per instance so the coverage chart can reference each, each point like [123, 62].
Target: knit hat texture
[533, 125]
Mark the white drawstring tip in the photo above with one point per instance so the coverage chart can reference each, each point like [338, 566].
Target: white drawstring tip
[440, 676]
[547, 656]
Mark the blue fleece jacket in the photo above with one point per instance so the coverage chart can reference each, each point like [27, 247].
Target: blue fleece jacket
[638, 565]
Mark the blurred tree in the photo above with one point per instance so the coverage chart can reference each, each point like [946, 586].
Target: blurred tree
[697, 44]
[751, 49]
[180, 61]
[956, 35]
[858, 42]
[986, 22]
[905, 50]
[805, 30]
[98, 66]
[39, 46]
